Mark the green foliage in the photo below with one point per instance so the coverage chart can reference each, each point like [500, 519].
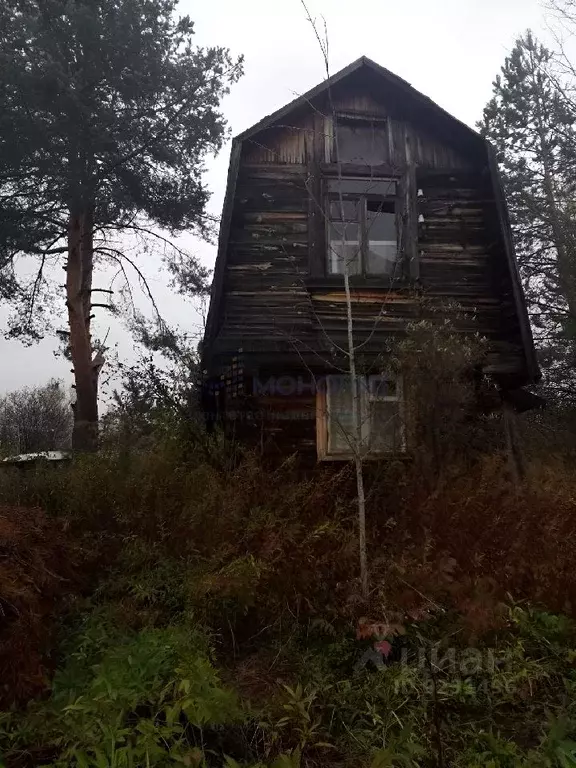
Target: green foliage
[154, 392]
[530, 121]
[112, 112]
[506, 702]
[194, 573]
[441, 365]
[129, 698]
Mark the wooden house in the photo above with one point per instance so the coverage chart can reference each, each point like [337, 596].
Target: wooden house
[364, 175]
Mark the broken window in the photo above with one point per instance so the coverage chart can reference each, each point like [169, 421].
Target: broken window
[357, 139]
[380, 410]
[362, 235]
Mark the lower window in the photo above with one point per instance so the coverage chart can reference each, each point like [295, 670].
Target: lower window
[381, 417]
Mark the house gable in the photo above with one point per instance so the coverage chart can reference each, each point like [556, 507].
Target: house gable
[273, 300]
[289, 136]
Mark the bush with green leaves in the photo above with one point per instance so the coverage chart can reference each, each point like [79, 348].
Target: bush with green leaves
[505, 702]
[122, 698]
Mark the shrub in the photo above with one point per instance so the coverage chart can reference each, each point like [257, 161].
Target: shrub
[477, 539]
[174, 548]
[37, 568]
[127, 698]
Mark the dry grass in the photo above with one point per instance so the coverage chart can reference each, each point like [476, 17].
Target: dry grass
[257, 553]
[477, 539]
[35, 570]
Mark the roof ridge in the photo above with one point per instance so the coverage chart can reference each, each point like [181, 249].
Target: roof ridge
[354, 66]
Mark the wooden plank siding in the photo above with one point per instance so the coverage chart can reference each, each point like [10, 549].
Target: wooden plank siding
[282, 314]
[292, 143]
[269, 297]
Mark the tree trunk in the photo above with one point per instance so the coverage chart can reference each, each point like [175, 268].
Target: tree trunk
[513, 450]
[78, 298]
[357, 441]
[355, 395]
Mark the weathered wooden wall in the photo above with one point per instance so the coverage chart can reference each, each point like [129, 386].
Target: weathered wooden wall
[462, 259]
[280, 315]
[293, 142]
[266, 301]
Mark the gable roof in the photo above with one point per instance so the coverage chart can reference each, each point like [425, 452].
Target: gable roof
[417, 99]
[362, 63]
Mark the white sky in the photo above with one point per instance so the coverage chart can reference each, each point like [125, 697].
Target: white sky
[450, 50]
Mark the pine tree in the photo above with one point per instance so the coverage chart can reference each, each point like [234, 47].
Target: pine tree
[532, 125]
[106, 114]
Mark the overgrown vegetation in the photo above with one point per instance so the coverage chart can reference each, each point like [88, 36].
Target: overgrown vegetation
[175, 601]
[195, 612]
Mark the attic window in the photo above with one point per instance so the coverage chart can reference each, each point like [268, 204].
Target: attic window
[381, 417]
[357, 140]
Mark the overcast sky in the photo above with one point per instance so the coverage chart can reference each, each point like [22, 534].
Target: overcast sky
[448, 49]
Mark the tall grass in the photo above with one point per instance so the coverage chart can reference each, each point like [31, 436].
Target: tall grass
[158, 543]
[264, 543]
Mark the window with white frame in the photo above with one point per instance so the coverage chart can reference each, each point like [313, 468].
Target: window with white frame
[362, 235]
[380, 401]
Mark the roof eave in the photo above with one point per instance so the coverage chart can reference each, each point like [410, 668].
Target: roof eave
[305, 99]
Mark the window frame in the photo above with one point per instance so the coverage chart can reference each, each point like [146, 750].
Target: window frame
[351, 119]
[325, 451]
[362, 199]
